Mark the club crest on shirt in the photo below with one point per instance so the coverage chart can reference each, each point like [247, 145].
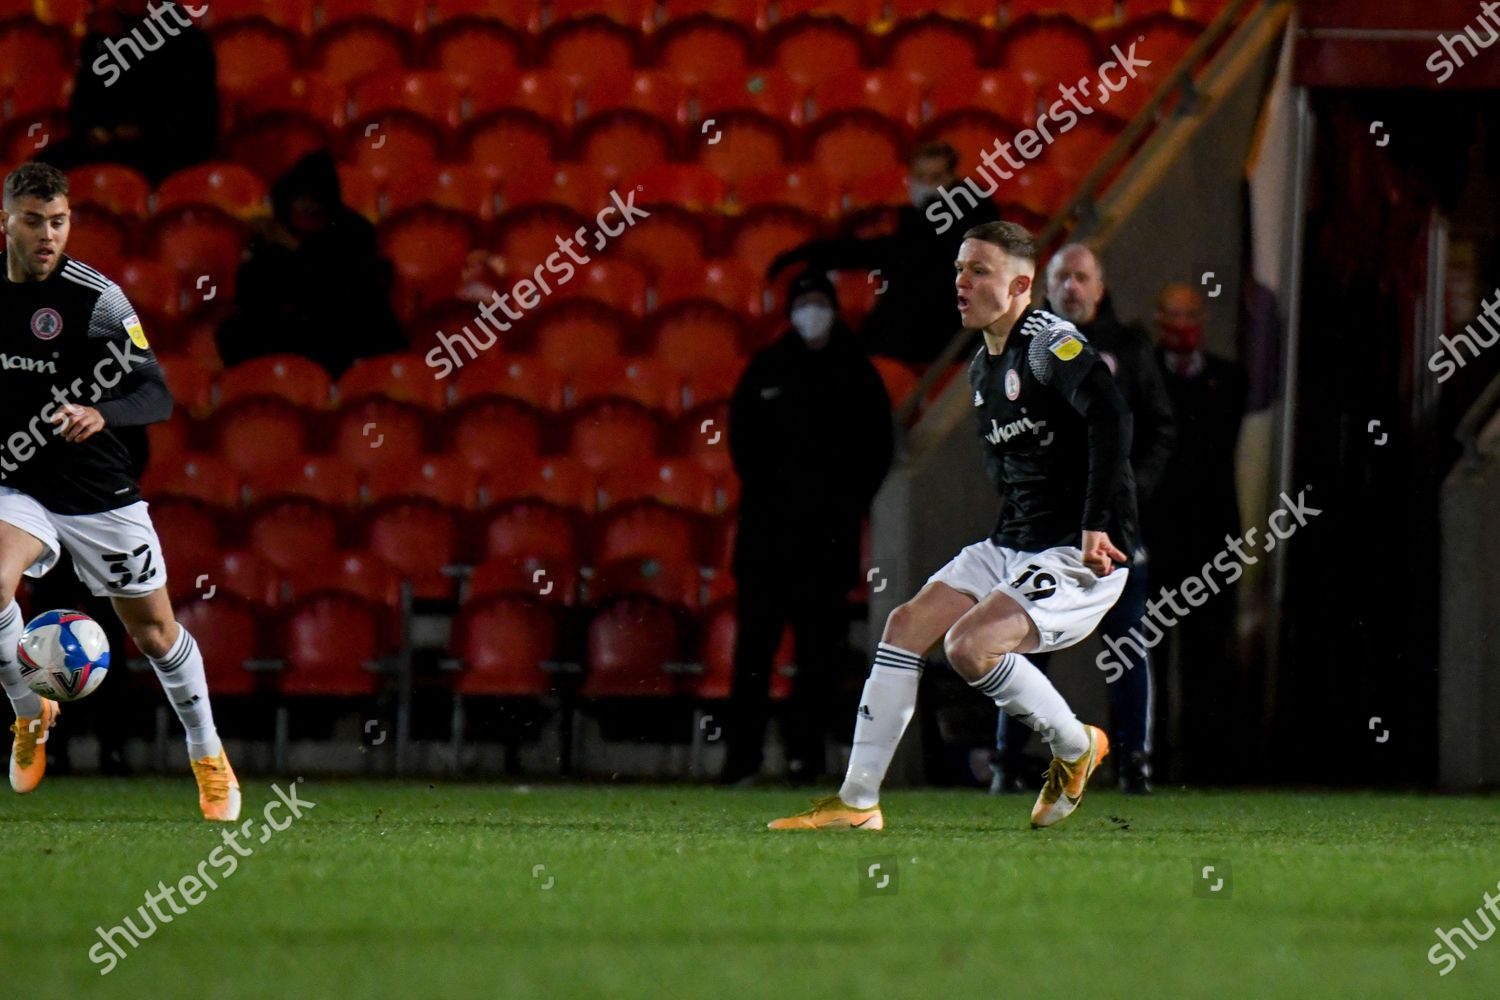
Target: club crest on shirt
[1012, 385]
[978, 399]
[46, 323]
[1066, 347]
[1110, 362]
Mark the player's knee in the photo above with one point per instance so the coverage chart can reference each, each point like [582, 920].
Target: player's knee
[900, 625]
[154, 637]
[967, 651]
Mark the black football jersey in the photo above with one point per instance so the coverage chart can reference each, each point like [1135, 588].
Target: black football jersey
[72, 337]
[1056, 438]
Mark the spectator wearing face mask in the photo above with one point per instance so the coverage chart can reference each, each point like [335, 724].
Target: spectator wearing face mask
[1196, 508]
[917, 314]
[811, 438]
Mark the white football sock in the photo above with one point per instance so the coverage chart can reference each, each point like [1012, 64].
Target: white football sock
[889, 699]
[26, 702]
[1025, 693]
[181, 676]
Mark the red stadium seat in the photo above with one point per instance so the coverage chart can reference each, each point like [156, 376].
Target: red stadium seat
[570, 335]
[635, 14]
[804, 187]
[270, 144]
[670, 236]
[169, 439]
[849, 144]
[726, 282]
[657, 94]
[461, 188]
[361, 574]
[1005, 92]
[431, 94]
[245, 574]
[542, 578]
[502, 642]
[260, 432]
[495, 433]
[290, 376]
[696, 49]
[227, 186]
[619, 283]
[394, 140]
[445, 478]
[696, 336]
[1074, 154]
[295, 15]
[289, 532]
[418, 538]
[611, 433]
[204, 245]
[1164, 40]
[326, 478]
[704, 433]
[189, 529]
[28, 47]
[578, 187]
[974, 11]
[408, 15]
[764, 232]
[207, 478]
[508, 140]
[374, 431]
[227, 631]
[588, 48]
[529, 235]
[404, 378]
[526, 378]
[1095, 12]
[717, 656]
[644, 380]
[676, 482]
[813, 49]
[250, 52]
[750, 143]
[930, 48]
[623, 142]
[545, 92]
[318, 667]
[474, 46]
[771, 92]
[532, 527]
[1038, 190]
[692, 187]
[710, 382]
[153, 288]
[666, 580]
[1049, 50]
[856, 12]
[560, 480]
[886, 187]
[899, 379]
[890, 93]
[631, 642]
[971, 132]
[748, 13]
[120, 189]
[428, 247]
[646, 528]
[353, 49]
[33, 96]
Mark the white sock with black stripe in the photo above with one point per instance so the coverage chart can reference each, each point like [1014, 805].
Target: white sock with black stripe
[181, 676]
[889, 699]
[26, 702]
[1023, 691]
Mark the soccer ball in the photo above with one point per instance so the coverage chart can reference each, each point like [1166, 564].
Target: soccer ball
[64, 655]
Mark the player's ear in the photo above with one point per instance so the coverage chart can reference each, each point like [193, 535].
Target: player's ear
[1021, 285]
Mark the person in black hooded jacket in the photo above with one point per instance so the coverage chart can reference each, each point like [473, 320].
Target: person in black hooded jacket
[811, 438]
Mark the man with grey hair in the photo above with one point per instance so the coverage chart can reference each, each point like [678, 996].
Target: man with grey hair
[1076, 291]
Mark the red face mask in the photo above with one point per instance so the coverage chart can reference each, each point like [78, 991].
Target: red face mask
[1181, 339]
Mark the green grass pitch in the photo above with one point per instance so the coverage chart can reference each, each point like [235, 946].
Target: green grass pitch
[500, 891]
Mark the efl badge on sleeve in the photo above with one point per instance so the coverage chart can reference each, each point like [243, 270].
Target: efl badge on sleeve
[46, 323]
[137, 332]
[1012, 385]
[1066, 347]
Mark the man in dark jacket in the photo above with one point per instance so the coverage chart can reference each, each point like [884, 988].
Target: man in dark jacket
[1075, 291]
[915, 263]
[811, 437]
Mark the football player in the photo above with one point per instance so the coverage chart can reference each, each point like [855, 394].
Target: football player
[76, 368]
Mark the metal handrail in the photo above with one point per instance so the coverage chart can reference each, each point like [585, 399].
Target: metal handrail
[913, 407]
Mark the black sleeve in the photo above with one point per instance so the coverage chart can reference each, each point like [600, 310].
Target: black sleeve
[1076, 371]
[748, 448]
[145, 399]
[1155, 426]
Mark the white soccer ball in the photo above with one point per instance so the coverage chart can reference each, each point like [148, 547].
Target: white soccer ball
[63, 655]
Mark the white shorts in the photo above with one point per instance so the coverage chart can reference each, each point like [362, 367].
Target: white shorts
[1063, 596]
[116, 552]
